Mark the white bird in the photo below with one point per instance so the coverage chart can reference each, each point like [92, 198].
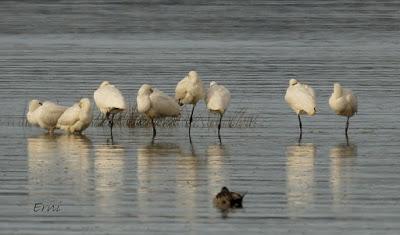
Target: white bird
[218, 98]
[154, 103]
[110, 101]
[45, 114]
[77, 117]
[301, 98]
[32, 114]
[343, 102]
[190, 90]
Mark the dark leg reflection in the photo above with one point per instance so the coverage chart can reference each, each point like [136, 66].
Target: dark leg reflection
[111, 140]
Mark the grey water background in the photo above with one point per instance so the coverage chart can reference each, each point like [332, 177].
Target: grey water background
[62, 50]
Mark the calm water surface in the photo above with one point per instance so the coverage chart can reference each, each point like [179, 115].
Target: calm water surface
[62, 50]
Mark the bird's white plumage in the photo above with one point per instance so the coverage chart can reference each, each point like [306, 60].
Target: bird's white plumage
[48, 114]
[154, 103]
[32, 115]
[69, 117]
[77, 117]
[190, 90]
[109, 99]
[218, 98]
[342, 101]
[301, 98]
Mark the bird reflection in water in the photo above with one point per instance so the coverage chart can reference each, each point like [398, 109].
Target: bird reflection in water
[156, 165]
[218, 176]
[342, 157]
[109, 175]
[300, 177]
[187, 164]
[77, 150]
[43, 162]
[58, 162]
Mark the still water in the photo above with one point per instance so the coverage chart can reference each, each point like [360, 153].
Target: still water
[62, 50]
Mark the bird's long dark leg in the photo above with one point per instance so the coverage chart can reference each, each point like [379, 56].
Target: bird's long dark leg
[112, 138]
[111, 123]
[108, 118]
[300, 125]
[154, 128]
[191, 118]
[301, 128]
[347, 126]
[300, 137]
[219, 127]
[190, 139]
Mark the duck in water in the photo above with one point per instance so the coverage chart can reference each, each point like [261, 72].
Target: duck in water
[226, 199]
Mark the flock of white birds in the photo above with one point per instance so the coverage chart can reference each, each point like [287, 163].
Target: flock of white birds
[301, 98]
[150, 101]
[155, 104]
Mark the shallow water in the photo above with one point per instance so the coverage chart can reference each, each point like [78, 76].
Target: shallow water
[62, 52]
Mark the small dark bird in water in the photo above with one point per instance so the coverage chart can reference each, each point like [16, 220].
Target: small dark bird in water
[226, 199]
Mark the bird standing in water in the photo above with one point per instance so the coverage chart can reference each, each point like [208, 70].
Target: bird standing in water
[154, 103]
[343, 102]
[44, 114]
[77, 117]
[190, 90]
[110, 101]
[218, 99]
[301, 98]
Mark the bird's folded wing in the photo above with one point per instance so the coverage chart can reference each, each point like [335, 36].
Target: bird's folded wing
[352, 102]
[70, 116]
[165, 105]
[51, 112]
[300, 98]
[218, 97]
[109, 97]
